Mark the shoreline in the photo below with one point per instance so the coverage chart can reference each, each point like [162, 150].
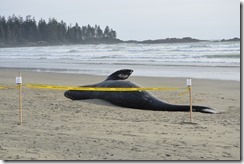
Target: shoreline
[56, 128]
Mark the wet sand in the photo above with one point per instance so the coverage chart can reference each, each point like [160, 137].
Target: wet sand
[56, 128]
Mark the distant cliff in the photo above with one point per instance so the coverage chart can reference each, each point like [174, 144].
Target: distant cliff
[172, 40]
[231, 40]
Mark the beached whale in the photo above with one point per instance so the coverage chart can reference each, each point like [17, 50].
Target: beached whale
[130, 99]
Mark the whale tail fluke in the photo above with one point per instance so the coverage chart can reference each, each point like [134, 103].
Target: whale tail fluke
[204, 109]
[211, 111]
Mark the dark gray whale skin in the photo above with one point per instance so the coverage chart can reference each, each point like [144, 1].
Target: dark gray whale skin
[134, 99]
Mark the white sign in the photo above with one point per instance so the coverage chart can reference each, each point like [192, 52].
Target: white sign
[188, 82]
[18, 80]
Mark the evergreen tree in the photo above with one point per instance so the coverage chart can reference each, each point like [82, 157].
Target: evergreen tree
[62, 28]
[112, 34]
[98, 32]
[42, 30]
[3, 28]
[106, 32]
[52, 28]
[30, 32]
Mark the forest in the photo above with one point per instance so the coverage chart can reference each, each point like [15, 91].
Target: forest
[17, 31]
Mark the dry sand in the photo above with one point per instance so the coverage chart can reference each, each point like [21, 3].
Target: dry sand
[56, 128]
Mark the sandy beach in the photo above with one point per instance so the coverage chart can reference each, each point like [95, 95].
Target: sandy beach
[56, 128]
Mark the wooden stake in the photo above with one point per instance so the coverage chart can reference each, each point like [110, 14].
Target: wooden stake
[190, 94]
[189, 85]
[19, 82]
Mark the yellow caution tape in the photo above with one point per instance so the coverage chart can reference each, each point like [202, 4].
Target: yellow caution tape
[7, 87]
[55, 87]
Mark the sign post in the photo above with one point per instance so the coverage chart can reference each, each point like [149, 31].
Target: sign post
[189, 85]
[19, 83]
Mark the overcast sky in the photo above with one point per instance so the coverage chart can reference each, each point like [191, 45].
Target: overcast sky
[139, 19]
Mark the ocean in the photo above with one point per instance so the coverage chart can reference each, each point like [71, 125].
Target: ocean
[202, 60]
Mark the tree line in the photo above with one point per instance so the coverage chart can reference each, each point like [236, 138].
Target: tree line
[16, 31]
